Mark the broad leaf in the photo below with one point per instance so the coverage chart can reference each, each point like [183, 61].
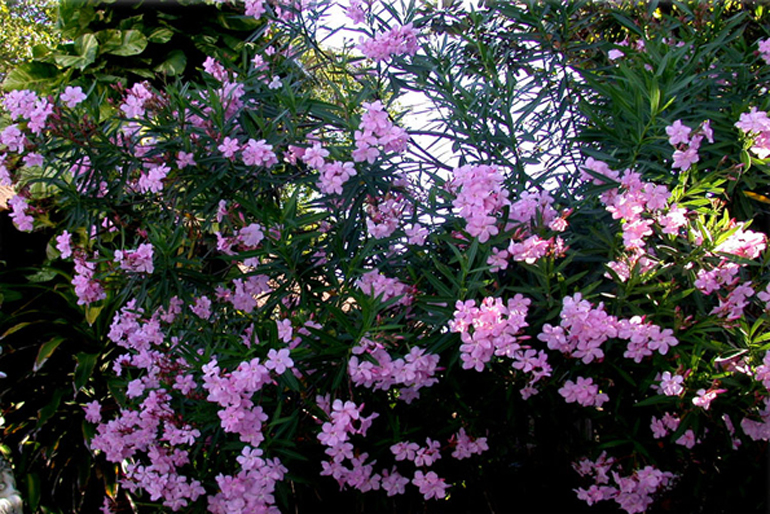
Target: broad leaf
[36, 76]
[122, 42]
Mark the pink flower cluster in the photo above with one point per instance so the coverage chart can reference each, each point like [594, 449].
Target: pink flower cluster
[346, 420]
[686, 146]
[19, 207]
[632, 493]
[232, 392]
[355, 12]
[153, 430]
[742, 243]
[479, 195]
[641, 207]
[378, 285]
[421, 456]
[25, 104]
[87, 288]
[414, 371]
[377, 134]
[466, 446]
[634, 200]
[494, 328]
[246, 292]
[157, 432]
[668, 423]
[756, 124]
[397, 41]
[251, 489]
[258, 153]
[133, 105]
[431, 486]
[333, 175]
[151, 180]
[583, 329]
[335, 434]
[584, 392]
[758, 430]
[137, 261]
[661, 427]
[13, 139]
[383, 214]
[530, 212]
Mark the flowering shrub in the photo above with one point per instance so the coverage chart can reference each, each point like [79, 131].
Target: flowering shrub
[296, 293]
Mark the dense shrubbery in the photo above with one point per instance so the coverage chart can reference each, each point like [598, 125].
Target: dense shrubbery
[284, 290]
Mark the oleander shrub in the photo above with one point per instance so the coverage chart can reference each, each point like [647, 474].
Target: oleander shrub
[298, 299]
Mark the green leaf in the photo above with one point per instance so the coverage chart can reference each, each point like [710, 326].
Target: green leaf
[45, 413]
[37, 76]
[16, 328]
[86, 48]
[33, 491]
[122, 42]
[45, 351]
[174, 64]
[41, 276]
[160, 35]
[653, 400]
[92, 312]
[84, 369]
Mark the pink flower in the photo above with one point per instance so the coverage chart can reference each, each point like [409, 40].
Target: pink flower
[153, 179]
[355, 12]
[687, 439]
[63, 243]
[397, 41]
[215, 69]
[255, 8]
[279, 360]
[202, 307]
[431, 486]
[228, 147]
[659, 429]
[315, 155]
[678, 133]
[683, 159]
[704, 398]
[258, 153]
[393, 482]
[251, 235]
[285, 330]
[72, 96]
[584, 392]
[671, 385]
[93, 412]
[138, 261]
[333, 175]
[416, 234]
[405, 450]
[184, 159]
[21, 219]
